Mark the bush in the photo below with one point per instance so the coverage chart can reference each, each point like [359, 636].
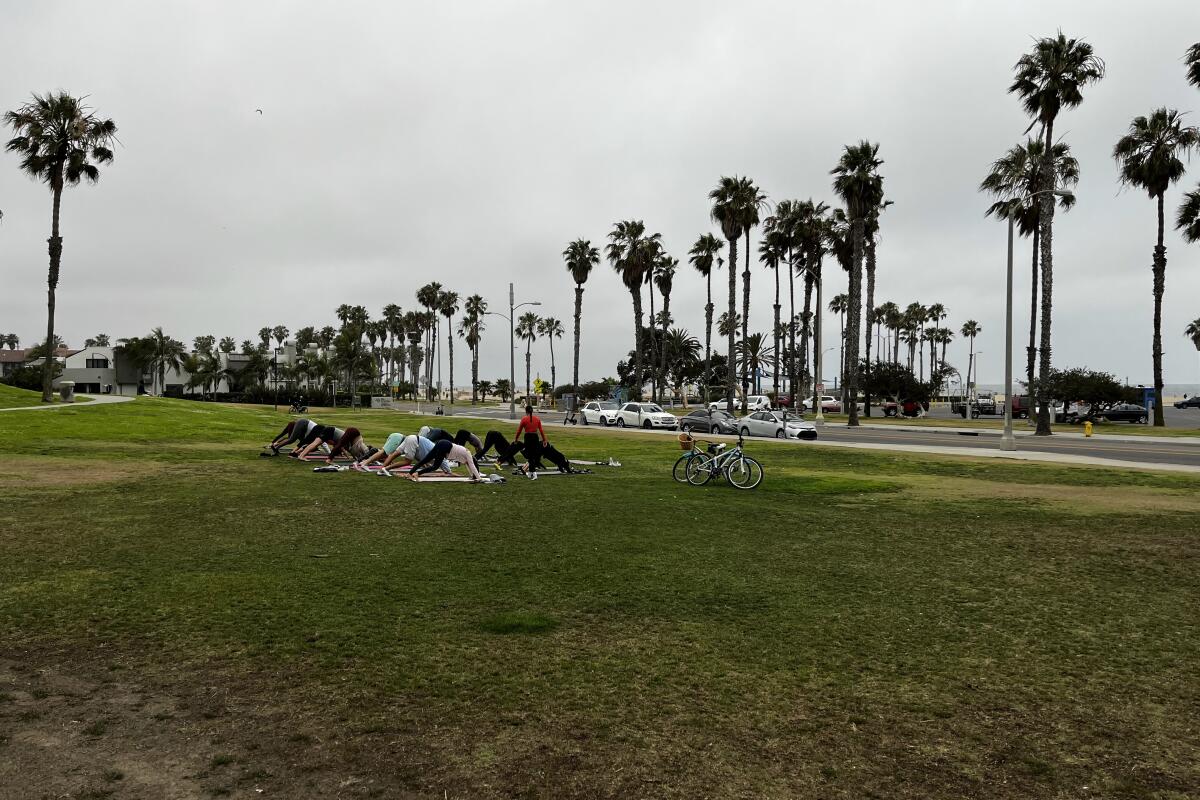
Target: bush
[29, 377]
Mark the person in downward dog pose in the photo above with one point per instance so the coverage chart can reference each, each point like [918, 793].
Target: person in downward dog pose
[319, 436]
[294, 432]
[463, 437]
[352, 444]
[438, 455]
[412, 449]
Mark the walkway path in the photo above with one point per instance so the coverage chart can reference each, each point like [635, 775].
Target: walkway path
[96, 400]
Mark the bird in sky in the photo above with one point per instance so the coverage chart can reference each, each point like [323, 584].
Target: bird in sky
[259, 110]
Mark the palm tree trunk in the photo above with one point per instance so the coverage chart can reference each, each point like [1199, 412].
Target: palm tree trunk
[578, 315]
[1031, 350]
[791, 367]
[746, 323]
[662, 356]
[730, 366]
[708, 315]
[55, 250]
[450, 351]
[854, 311]
[896, 346]
[652, 349]
[1160, 279]
[870, 310]
[808, 322]
[638, 375]
[553, 370]
[475, 370]
[528, 390]
[775, 371]
[1046, 224]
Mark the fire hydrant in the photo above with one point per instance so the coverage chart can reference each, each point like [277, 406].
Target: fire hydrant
[1087, 428]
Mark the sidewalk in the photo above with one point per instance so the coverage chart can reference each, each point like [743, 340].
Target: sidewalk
[96, 400]
[1106, 437]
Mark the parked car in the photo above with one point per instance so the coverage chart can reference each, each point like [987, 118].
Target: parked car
[829, 404]
[704, 420]
[1023, 406]
[1124, 412]
[754, 402]
[645, 415]
[1189, 402]
[599, 412]
[777, 425]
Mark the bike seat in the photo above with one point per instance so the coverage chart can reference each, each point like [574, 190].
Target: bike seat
[716, 448]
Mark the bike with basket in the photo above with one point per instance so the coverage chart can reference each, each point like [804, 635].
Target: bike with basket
[698, 466]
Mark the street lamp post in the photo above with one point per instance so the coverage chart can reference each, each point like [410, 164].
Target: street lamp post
[1007, 441]
[512, 347]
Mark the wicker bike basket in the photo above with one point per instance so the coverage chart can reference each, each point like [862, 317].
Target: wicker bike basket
[686, 442]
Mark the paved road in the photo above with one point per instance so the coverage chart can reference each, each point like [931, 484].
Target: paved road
[1181, 452]
[1173, 417]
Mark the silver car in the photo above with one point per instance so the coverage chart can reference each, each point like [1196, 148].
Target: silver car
[775, 424]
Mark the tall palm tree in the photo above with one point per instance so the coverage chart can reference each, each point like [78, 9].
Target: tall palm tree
[391, 316]
[60, 141]
[729, 325]
[893, 320]
[683, 355]
[752, 201]
[664, 279]
[631, 253]
[970, 330]
[1149, 159]
[772, 251]
[580, 257]
[475, 308]
[280, 333]
[448, 307]
[527, 329]
[550, 329]
[813, 230]
[163, 353]
[706, 249]
[838, 305]
[787, 230]
[755, 355]
[1192, 331]
[857, 181]
[227, 345]
[1051, 77]
[1013, 180]
[727, 211]
[427, 296]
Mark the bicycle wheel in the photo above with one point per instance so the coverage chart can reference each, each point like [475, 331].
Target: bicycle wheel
[699, 469]
[679, 471]
[744, 472]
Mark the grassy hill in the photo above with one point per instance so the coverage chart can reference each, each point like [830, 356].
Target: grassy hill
[861, 625]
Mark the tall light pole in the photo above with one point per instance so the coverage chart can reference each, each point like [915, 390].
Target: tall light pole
[512, 347]
[1007, 441]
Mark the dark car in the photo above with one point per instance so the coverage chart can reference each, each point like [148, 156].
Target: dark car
[704, 421]
[1125, 412]
[1189, 402]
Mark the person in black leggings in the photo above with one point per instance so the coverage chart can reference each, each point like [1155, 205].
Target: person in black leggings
[442, 450]
[463, 437]
[295, 431]
[494, 439]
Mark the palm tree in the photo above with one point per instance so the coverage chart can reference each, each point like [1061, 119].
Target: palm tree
[504, 388]
[752, 202]
[475, 308]
[813, 231]
[264, 337]
[1149, 159]
[551, 329]
[427, 296]
[755, 355]
[683, 357]
[1013, 180]
[484, 388]
[871, 231]
[1192, 331]
[772, 251]
[664, 278]
[1192, 60]
[893, 320]
[11, 340]
[727, 212]
[163, 353]
[838, 306]
[448, 307]
[857, 181]
[970, 330]
[727, 325]
[787, 228]
[631, 254]
[706, 249]
[1048, 78]
[527, 329]
[391, 316]
[580, 257]
[227, 345]
[60, 141]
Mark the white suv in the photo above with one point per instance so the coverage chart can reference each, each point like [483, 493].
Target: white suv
[755, 402]
[645, 415]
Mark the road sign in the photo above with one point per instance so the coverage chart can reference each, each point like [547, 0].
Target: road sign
[820, 388]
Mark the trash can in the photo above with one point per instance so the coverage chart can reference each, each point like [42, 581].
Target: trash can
[66, 390]
[568, 402]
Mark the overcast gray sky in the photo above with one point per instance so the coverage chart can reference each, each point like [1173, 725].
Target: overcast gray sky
[469, 142]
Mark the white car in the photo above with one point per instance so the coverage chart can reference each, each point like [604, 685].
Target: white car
[599, 412]
[775, 424]
[645, 415]
[755, 402]
[829, 404]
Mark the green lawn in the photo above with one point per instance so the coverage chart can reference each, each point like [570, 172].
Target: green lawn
[12, 397]
[862, 625]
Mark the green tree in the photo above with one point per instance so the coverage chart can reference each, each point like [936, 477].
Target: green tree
[857, 181]
[527, 330]
[484, 388]
[1051, 77]
[970, 330]
[702, 255]
[813, 232]
[871, 232]
[772, 251]
[60, 141]
[631, 253]
[580, 258]
[427, 296]
[728, 211]
[1192, 331]
[392, 317]
[448, 307]
[550, 329]
[664, 279]
[838, 305]
[471, 329]
[504, 389]
[1192, 61]
[163, 353]
[1149, 157]
[99, 340]
[1013, 180]
[11, 340]
[754, 356]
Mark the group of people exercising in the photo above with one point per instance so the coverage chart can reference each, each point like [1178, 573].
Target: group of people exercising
[425, 451]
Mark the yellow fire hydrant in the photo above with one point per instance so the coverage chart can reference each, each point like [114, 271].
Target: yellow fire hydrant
[1087, 428]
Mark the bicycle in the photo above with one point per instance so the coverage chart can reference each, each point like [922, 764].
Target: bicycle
[679, 471]
[742, 471]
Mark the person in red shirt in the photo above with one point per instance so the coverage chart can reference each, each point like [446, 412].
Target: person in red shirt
[535, 438]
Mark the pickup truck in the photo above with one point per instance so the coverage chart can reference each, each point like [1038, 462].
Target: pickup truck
[984, 405]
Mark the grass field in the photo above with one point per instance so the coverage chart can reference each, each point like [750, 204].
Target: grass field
[179, 617]
[12, 397]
